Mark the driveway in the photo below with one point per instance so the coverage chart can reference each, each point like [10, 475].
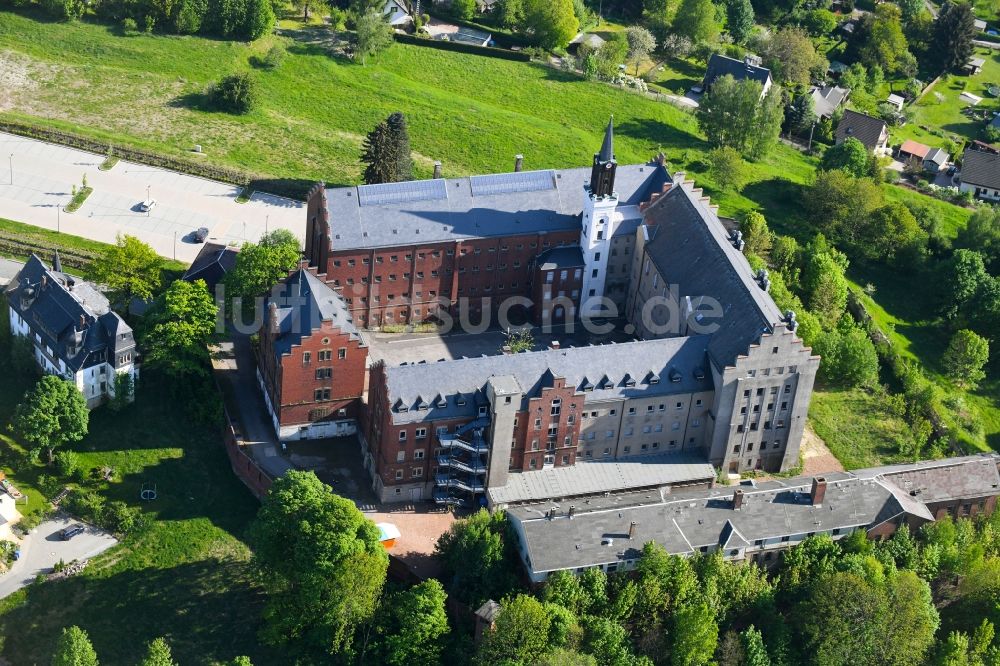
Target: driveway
[36, 181]
[8, 269]
[43, 547]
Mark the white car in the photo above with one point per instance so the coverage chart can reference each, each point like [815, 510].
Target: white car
[147, 205]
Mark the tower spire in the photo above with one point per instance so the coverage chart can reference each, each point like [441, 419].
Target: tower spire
[56, 262]
[602, 175]
[607, 153]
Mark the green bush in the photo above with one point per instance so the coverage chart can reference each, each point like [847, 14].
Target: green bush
[67, 463]
[120, 518]
[237, 93]
[274, 57]
[49, 485]
[129, 26]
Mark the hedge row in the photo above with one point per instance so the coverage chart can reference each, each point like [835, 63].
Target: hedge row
[290, 188]
[463, 48]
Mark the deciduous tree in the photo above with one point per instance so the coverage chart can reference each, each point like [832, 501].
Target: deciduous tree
[414, 626]
[474, 556]
[965, 358]
[520, 634]
[851, 157]
[728, 168]
[158, 654]
[733, 114]
[826, 288]
[640, 44]
[757, 236]
[260, 265]
[694, 635]
[323, 561]
[551, 23]
[180, 326]
[753, 647]
[52, 414]
[74, 649]
[695, 20]
[792, 57]
[129, 269]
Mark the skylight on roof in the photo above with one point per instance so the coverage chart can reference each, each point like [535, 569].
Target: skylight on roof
[385, 194]
[520, 181]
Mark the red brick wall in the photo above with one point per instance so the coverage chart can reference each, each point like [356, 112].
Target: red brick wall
[411, 280]
[568, 285]
[540, 409]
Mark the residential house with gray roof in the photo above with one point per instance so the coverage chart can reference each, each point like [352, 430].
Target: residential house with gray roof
[73, 330]
[981, 173]
[872, 132]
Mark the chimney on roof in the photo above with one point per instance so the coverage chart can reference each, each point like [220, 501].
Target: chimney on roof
[56, 262]
[437, 169]
[518, 162]
[818, 491]
[83, 322]
[737, 499]
[572, 511]
[660, 159]
[554, 344]
[631, 530]
[45, 281]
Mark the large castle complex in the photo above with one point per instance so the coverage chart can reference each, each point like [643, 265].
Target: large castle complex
[714, 374]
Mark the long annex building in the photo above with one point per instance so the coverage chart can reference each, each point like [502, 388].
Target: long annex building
[716, 376]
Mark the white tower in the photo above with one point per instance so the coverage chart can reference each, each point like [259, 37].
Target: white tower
[600, 218]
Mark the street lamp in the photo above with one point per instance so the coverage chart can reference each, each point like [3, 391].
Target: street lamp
[148, 209]
[175, 246]
[244, 232]
[11, 160]
[267, 218]
[58, 218]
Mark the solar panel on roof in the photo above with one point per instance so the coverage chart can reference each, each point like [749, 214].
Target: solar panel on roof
[392, 193]
[520, 181]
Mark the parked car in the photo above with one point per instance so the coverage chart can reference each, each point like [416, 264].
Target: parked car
[147, 205]
[200, 235]
[71, 531]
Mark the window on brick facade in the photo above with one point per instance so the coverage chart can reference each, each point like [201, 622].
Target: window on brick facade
[421, 433]
[324, 373]
[324, 355]
[306, 357]
[417, 472]
[402, 435]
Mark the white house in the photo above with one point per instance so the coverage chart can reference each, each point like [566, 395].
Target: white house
[74, 332]
[397, 14]
[981, 174]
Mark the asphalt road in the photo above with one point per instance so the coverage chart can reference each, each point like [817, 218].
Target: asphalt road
[43, 547]
[37, 179]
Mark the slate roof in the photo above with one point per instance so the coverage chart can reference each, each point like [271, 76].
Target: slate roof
[864, 128]
[602, 476]
[303, 302]
[981, 168]
[564, 256]
[441, 210]
[72, 317]
[828, 99]
[211, 265]
[685, 521]
[720, 65]
[691, 249]
[439, 386]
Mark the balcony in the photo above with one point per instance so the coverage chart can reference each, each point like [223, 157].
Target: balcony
[475, 443]
[468, 466]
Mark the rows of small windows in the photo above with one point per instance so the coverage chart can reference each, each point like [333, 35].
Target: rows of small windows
[762, 446]
[324, 355]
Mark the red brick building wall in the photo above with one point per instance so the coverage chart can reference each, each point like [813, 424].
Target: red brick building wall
[408, 283]
[385, 444]
[549, 300]
[322, 377]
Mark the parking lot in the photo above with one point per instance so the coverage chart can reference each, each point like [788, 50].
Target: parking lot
[44, 547]
[37, 179]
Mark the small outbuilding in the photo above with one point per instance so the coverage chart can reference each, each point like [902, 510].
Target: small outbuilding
[974, 66]
[895, 101]
[935, 160]
[911, 150]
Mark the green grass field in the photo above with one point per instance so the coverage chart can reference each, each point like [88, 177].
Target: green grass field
[937, 121]
[187, 577]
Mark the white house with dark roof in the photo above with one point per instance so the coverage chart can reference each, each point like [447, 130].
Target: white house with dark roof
[748, 68]
[872, 132]
[981, 174]
[75, 333]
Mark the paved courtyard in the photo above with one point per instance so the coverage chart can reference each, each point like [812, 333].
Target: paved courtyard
[36, 180]
[43, 547]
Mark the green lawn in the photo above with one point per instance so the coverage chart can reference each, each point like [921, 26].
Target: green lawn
[937, 121]
[187, 577]
[856, 428]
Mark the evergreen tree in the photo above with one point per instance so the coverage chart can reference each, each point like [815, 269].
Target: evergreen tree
[373, 35]
[954, 30]
[739, 20]
[399, 138]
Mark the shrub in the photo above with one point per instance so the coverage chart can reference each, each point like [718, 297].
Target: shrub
[85, 504]
[49, 485]
[67, 463]
[120, 518]
[274, 57]
[236, 93]
[129, 26]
